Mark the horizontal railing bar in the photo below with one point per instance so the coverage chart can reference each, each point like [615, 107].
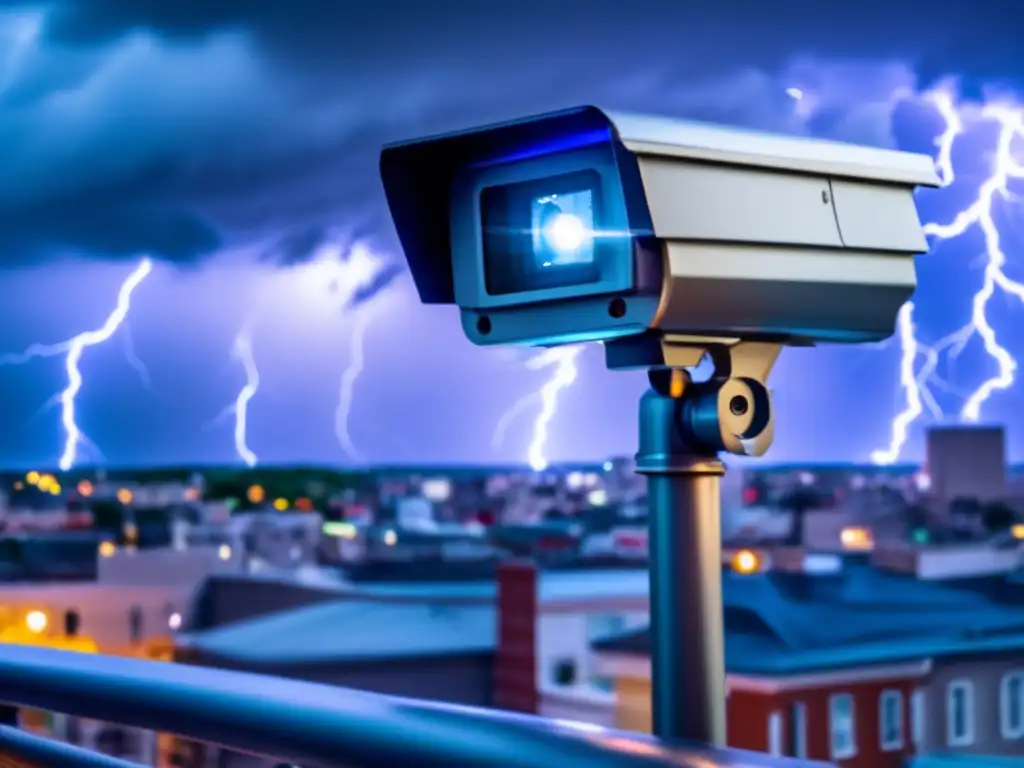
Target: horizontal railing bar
[311, 724]
[28, 750]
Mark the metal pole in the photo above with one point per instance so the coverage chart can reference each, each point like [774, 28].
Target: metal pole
[687, 635]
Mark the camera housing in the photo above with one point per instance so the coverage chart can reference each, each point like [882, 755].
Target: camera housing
[587, 225]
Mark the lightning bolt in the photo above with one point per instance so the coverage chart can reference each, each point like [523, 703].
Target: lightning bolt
[73, 349]
[979, 214]
[242, 351]
[346, 394]
[563, 362]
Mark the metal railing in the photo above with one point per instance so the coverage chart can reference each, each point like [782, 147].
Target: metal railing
[309, 724]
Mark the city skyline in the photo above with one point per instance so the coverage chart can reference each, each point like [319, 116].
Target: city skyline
[248, 195]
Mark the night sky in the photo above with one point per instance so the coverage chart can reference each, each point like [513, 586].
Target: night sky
[236, 143]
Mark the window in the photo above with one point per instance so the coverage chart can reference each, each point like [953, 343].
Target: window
[135, 623]
[917, 718]
[842, 740]
[71, 623]
[960, 713]
[601, 626]
[775, 734]
[798, 725]
[602, 683]
[564, 672]
[1011, 705]
[890, 720]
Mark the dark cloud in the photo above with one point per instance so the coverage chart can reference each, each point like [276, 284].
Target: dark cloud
[181, 127]
[377, 284]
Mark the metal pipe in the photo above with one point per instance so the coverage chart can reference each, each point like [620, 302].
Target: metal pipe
[310, 724]
[25, 750]
[687, 633]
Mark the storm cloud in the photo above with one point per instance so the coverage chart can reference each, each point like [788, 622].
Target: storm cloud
[180, 129]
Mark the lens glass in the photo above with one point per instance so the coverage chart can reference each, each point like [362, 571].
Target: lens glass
[542, 234]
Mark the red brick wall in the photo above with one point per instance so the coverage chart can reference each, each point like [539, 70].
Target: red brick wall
[747, 720]
[749, 712]
[515, 667]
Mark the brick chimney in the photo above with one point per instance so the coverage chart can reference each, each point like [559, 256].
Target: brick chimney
[515, 666]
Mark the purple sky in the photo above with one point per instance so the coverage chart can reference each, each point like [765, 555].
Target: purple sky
[233, 144]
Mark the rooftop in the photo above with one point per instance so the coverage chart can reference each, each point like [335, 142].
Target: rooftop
[352, 630]
[771, 631]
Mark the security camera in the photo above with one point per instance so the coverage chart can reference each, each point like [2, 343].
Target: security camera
[586, 225]
[666, 240]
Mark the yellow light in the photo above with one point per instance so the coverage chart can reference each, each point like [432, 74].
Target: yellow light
[856, 538]
[256, 494]
[746, 562]
[390, 538]
[55, 490]
[1017, 531]
[45, 482]
[85, 488]
[107, 549]
[36, 621]
[224, 552]
[280, 504]
[32, 478]
[124, 496]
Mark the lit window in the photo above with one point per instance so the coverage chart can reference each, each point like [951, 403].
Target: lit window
[775, 725]
[857, 539]
[917, 718]
[798, 723]
[1011, 705]
[890, 720]
[960, 713]
[842, 736]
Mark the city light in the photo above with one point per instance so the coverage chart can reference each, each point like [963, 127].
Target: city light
[390, 538]
[224, 552]
[339, 529]
[256, 494]
[85, 488]
[174, 621]
[746, 562]
[280, 504]
[107, 549]
[124, 495]
[32, 478]
[856, 538]
[36, 622]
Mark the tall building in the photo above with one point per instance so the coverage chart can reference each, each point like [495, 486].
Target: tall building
[967, 463]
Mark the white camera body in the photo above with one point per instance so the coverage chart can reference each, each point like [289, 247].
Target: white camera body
[589, 225]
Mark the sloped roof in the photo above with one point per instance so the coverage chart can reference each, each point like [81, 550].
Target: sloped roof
[768, 632]
[348, 630]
